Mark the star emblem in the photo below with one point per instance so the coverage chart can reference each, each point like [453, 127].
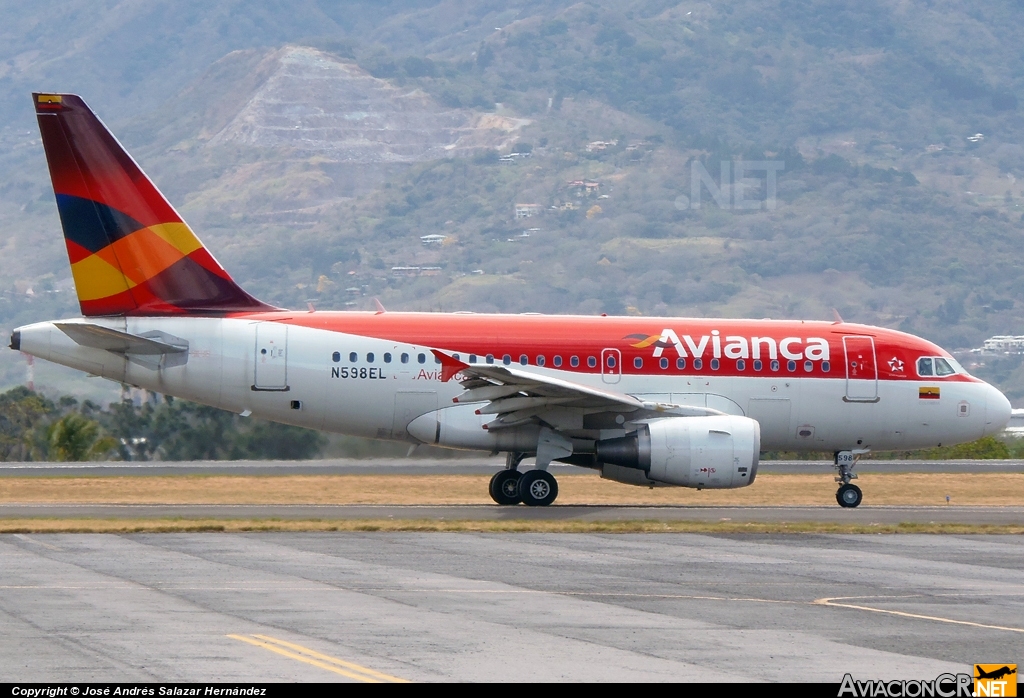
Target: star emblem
[895, 365]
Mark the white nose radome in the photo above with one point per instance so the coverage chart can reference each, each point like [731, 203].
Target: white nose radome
[997, 411]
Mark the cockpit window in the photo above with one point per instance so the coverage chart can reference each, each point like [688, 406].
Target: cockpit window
[937, 366]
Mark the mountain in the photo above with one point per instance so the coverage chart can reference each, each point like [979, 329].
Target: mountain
[312, 145]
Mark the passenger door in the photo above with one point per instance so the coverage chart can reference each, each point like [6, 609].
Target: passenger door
[861, 369]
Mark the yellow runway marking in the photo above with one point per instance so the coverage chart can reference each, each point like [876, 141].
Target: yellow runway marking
[323, 661]
[903, 614]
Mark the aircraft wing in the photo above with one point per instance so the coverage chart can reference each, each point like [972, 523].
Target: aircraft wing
[517, 396]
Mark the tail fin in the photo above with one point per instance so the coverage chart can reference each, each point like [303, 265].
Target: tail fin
[131, 253]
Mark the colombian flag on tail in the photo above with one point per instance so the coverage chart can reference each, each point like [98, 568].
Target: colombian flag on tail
[130, 252]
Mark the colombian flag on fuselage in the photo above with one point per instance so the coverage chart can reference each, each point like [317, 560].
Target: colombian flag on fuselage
[130, 251]
[930, 393]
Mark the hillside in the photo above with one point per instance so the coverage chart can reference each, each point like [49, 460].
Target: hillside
[311, 147]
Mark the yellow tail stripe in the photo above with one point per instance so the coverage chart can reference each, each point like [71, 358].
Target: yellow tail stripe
[95, 278]
[314, 658]
[179, 235]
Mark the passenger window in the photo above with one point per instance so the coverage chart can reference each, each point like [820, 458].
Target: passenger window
[540, 360]
[924, 367]
[472, 358]
[757, 364]
[352, 357]
[714, 364]
[808, 366]
[611, 361]
[680, 363]
[825, 367]
[506, 359]
[638, 362]
[574, 361]
[698, 364]
[942, 367]
[775, 364]
[369, 357]
[387, 357]
[405, 358]
[558, 361]
[791, 365]
[490, 358]
[663, 363]
[421, 358]
[524, 360]
[592, 362]
[740, 364]
[336, 356]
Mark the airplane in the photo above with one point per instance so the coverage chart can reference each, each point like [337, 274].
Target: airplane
[994, 674]
[645, 401]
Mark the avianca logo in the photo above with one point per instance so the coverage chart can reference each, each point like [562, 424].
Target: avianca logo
[735, 347]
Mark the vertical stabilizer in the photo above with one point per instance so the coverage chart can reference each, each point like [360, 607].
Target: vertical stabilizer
[130, 251]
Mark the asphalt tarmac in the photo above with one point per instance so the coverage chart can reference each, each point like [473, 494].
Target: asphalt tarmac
[409, 466]
[862, 515]
[505, 607]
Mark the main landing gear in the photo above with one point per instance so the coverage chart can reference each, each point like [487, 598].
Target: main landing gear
[535, 488]
[848, 495]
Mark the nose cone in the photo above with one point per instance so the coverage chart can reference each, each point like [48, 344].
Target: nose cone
[997, 411]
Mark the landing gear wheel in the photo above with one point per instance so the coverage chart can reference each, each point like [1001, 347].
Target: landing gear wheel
[849, 496]
[538, 488]
[504, 487]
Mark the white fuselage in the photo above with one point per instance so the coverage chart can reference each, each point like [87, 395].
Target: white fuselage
[288, 373]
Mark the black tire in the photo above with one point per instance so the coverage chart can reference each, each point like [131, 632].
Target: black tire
[849, 496]
[538, 488]
[504, 487]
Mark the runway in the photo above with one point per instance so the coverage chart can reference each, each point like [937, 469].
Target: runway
[864, 515]
[505, 607]
[413, 466]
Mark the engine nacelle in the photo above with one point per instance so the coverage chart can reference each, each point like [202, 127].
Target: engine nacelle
[714, 452]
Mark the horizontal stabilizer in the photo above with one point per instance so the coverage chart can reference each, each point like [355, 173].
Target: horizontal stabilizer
[153, 350]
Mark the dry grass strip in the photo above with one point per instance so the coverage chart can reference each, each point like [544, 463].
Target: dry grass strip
[513, 526]
[907, 489]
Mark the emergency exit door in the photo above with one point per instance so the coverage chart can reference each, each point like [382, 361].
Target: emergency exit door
[271, 356]
[611, 365]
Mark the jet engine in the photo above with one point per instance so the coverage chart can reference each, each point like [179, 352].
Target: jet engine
[714, 452]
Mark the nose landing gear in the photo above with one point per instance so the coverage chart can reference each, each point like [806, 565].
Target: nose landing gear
[848, 495]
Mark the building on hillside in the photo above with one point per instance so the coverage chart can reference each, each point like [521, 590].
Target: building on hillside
[1004, 344]
[434, 239]
[583, 187]
[596, 146]
[405, 271]
[528, 210]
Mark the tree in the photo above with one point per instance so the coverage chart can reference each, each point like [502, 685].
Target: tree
[21, 411]
[76, 438]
